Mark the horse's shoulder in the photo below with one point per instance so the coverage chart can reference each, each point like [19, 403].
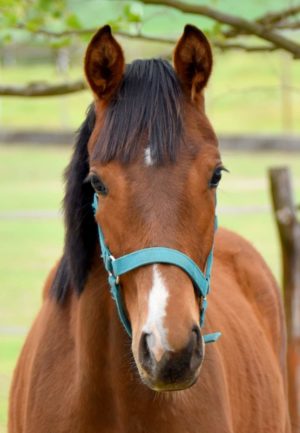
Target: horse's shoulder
[234, 250]
[246, 263]
[229, 243]
[255, 281]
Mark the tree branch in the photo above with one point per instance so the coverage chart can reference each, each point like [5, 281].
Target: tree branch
[270, 20]
[224, 46]
[87, 31]
[221, 45]
[275, 17]
[238, 23]
[148, 38]
[289, 26]
[62, 34]
[39, 89]
[247, 48]
[159, 39]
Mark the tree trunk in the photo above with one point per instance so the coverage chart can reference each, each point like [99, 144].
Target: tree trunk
[289, 232]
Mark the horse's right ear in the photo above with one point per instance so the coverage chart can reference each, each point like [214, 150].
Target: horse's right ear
[104, 63]
[193, 60]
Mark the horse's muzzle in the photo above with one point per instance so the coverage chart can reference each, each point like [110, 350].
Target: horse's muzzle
[174, 370]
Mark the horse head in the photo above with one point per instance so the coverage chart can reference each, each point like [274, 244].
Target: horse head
[153, 161]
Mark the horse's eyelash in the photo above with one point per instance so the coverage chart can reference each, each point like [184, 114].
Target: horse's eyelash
[87, 179]
[223, 168]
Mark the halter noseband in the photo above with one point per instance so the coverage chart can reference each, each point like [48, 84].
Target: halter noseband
[116, 267]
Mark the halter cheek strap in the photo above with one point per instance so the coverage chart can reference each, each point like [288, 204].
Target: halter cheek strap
[116, 267]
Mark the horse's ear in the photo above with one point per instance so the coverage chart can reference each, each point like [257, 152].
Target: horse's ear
[104, 63]
[193, 60]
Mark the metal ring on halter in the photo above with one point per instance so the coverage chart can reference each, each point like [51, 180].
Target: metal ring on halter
[117, 278]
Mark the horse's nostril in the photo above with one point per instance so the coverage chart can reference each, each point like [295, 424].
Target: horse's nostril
[197, 334]
[197, 348]
[169, 369]
[144, 352]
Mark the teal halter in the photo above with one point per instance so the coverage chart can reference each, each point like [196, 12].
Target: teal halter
[117, 267]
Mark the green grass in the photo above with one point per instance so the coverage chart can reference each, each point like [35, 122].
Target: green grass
[41, 113]
[31, 178]
[26, 167]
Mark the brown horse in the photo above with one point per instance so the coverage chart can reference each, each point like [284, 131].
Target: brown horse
[150, 153]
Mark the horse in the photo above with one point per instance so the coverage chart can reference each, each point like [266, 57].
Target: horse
[128, 335]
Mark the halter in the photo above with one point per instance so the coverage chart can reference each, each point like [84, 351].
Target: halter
[116, 267]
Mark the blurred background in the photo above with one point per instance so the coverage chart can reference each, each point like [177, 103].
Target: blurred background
[252, 100]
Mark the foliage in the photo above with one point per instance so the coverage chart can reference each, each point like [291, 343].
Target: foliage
[33, 15]
[48, 20]
[57, 16]
[254, 26]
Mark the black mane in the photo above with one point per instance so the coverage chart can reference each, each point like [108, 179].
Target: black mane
[81, 229]
[146, 108]
[145, 111]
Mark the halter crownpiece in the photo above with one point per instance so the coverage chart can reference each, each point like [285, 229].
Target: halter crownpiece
[116, 267]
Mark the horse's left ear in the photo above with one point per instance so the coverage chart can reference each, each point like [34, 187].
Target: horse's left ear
[193, 60]
[104, 63]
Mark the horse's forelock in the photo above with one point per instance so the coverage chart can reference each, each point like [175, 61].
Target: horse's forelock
[146, 110]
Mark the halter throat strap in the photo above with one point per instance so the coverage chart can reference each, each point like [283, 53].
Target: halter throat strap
[116, 267]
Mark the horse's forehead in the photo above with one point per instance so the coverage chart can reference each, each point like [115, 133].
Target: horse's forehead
[159, 147]
[198, 139]
[152, 180]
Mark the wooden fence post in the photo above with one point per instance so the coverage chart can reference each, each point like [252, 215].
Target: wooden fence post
[289, 233]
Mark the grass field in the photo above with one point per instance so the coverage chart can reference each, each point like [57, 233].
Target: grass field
[31, 179]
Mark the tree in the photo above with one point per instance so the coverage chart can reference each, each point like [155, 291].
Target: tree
[59, 22]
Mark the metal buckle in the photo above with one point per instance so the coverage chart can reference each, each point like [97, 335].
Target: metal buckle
[203, 310]
[116, 277]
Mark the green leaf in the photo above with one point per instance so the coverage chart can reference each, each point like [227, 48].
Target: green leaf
[34, 23]
[73, 21]
[133, 12]
[7, 3]
[9, 19]
[216, 29]
[56, 13]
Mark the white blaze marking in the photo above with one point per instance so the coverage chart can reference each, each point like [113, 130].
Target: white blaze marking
[148, 158]
[158, 300]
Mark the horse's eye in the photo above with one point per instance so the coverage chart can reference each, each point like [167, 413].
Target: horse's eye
[216, 177]
[98, 185]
